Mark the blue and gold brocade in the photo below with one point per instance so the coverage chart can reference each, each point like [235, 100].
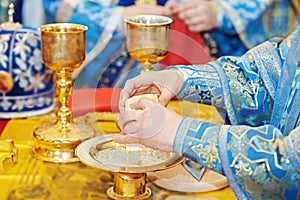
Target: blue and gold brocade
[259, 151]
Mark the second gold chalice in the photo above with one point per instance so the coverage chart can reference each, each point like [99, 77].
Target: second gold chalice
[148, 38]
[63, 50]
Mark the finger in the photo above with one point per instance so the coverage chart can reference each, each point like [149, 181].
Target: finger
[195, 20]
[126, 93]
[200, 27]
[165, 97]
[197, 28]
[153, 9]
[162, 10]
[185, 14]
[132, 86]
[152, 88]
[127, 117]
[179, 7]
[124, 139]
[191, 13]
[131, 128]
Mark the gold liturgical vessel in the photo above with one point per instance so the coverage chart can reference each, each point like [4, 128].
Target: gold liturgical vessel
[130, 164]
[63, 50]
[148, 43]
[148, 38]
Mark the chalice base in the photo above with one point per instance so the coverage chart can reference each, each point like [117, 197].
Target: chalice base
[129, 186]
[130, 165]
[57, 144]
[111, 194]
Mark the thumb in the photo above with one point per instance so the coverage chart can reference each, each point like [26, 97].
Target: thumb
[165, 97]
[124, 139]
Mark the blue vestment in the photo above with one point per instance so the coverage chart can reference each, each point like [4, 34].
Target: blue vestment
[260, 91]
[245, 24]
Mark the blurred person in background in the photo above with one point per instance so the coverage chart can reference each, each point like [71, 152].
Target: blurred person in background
[231, 27]
[223, 27]
[107, 59]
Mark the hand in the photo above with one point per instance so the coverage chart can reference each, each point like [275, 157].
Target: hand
[151, 124]
[146, 9]
[198, 15]
[166, 84]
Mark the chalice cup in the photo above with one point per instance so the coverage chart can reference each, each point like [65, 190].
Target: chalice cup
[63, 50]
[148, 38]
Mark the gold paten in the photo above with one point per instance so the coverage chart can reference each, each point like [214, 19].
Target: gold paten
[63, 50]
[130, 164]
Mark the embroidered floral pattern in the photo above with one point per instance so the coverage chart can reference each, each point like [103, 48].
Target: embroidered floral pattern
[20, 57]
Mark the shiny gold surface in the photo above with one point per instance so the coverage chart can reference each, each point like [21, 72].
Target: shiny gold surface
[129, 178]
[31, 178]
[8, 154]
[151, 2]
[148, 38]
[132, 158]
[63, 47]
[129, 186]
[63, 50]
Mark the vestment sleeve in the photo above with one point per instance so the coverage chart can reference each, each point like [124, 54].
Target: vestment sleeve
[259, 162]
[244, 86]
[259, 157]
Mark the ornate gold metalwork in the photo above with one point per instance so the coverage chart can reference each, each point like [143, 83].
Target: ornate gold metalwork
[63, 50]
[130, 172]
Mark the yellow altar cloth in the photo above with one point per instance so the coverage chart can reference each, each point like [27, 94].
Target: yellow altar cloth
[34, 179]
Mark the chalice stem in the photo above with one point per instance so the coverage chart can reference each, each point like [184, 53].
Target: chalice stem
[64, 87]
[147, 66]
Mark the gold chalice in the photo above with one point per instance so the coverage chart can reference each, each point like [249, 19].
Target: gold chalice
[63, 50]
[148, 39]
[129, 164]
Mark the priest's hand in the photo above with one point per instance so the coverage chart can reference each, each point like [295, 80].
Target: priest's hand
[166, 84]
[150, 124]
